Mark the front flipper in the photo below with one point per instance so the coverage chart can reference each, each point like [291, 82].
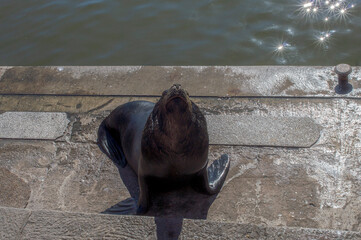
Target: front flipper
[210, 180]
[125, 207]
[110, 146]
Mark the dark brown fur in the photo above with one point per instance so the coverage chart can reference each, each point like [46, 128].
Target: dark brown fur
[163, 143]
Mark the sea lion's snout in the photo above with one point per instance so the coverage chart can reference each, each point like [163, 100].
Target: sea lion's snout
[177, 99]
[177, 91]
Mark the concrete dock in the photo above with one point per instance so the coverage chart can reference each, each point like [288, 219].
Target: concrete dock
[293, 142]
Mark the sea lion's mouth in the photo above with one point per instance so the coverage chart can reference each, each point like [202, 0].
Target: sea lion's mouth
[177, 96]
[176, 103]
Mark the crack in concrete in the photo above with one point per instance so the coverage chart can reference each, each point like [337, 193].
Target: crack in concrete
[100, 106]
[24, 225]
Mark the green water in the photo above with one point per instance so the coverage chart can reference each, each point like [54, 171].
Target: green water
[158, 32]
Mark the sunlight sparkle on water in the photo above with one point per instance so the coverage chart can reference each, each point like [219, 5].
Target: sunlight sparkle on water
[281, 47]
[327, 12]
[307, 5]
[324, 38]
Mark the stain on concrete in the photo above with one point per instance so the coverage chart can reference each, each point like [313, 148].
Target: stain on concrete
[286, 84]
[28, 79]
[357, 225]
[85, 127]
[233, 91]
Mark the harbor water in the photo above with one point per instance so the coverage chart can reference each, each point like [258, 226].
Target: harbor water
[159, 32]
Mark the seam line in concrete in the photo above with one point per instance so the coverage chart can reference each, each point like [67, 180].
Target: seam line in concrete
[193, 96]
[258, 146]
[35, 139]
[220, 145]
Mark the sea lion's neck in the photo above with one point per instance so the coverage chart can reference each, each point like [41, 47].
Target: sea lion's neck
[171, 130]
[176, 136]
[177, 126]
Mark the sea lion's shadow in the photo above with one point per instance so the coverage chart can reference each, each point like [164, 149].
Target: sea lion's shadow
[168, 208]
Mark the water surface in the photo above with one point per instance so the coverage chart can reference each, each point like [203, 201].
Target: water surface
[158, 32]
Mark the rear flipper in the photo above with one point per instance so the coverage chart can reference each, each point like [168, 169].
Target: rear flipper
[125, 207]
[210, 180]
[110, 147]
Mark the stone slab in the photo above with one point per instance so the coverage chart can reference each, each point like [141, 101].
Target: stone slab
[198, 229]
[14, 192]
[33, 125]
[12, 222]
[262, 131]
[25, 224]
[225, 81]
[64, 176]
[87, 226]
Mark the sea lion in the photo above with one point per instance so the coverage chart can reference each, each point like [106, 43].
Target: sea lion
[166, 144]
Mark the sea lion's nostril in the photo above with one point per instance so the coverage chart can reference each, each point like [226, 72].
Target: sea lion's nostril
[177, 86]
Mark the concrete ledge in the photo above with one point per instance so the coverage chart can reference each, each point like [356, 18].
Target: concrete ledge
[199, 81]
[33, 125]
[26, 224]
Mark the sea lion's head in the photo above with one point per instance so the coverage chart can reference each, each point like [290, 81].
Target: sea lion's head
[173, 111]
[175, 126]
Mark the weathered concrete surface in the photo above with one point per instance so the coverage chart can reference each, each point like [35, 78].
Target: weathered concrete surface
[200, 81]
[193, 229]
[262, 131]
[317, 187]
[33, 125]
[14, 192]
[12, 222]
[64, 176]
[25, 224]
[309, 187]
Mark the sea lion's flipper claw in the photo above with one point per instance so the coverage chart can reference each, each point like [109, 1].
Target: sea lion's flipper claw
[125, 207]
[110, 147]
[211, 179]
